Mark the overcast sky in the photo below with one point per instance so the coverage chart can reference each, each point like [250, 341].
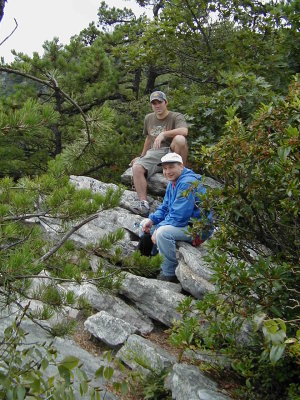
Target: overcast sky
[41, 20]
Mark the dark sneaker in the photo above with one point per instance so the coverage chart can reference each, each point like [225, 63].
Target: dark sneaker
[142, 208]
[162, 277]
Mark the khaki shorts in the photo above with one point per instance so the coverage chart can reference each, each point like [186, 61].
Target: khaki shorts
[151, 159]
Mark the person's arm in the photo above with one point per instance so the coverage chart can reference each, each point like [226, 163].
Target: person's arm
[147, 145]
[162, 210]
[180, 129]
[177, 131]
[146, 225]
[181, 209]
[169, 134]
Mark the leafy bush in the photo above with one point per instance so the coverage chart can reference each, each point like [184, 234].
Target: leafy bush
[255, 252]
[259, 167]
[241, 92]
[33, 371]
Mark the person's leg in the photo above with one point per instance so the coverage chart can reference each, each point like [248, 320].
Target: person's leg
[179, 146]
[166, 237]
[141, 167]
[139, 180]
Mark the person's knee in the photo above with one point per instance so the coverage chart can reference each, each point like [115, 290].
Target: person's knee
[179, 141]
[162, 233]
[138, 169]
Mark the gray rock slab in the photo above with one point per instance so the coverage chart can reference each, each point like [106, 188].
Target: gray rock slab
[95, 230]
[140, 353]
[192, 271]
[187, 382]
[58, 317]
[90, 365]
[37, 284]
[128, 199]
[104, 301]
[112, 331]
[208, 357]
[193, 257]
[156, 184]
[155, 298]
[191, 282]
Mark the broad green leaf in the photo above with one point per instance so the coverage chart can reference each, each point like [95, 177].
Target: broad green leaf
[258, 320]
[21, 393]
[276, 352]
[290, 340]
[69, 362]
[44, 363]
[108, 373]
[99, 372]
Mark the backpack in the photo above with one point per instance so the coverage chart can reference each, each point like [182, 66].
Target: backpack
[145, 244]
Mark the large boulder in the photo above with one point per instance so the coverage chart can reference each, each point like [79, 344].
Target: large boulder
[116, 307]
[112, 331]
[193, 271]
[157, 184]
[157, 299]
[140, 353]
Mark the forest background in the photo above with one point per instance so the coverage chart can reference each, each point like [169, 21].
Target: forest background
[231, 67]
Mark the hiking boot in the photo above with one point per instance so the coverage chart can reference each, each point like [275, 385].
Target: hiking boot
[162, 277]
[142, 208]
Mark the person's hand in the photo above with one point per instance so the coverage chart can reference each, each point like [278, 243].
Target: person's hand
[146, 225]
[133, 161]
[158, 140]
[153, 237]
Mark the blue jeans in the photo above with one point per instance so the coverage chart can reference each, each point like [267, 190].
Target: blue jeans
[166, 237]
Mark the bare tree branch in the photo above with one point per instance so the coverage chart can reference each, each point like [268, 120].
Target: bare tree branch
[65, 237]
[7, 37]
[25, 216]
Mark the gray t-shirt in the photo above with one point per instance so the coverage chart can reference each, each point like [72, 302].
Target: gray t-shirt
[154, 126]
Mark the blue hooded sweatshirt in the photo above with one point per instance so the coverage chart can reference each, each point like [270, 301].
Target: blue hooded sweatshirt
[176, 209]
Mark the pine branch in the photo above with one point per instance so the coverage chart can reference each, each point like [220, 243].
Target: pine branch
[9, 246]
[66, 96]
[52, 84]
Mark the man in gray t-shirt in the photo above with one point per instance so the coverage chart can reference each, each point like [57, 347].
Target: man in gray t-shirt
[165, 132]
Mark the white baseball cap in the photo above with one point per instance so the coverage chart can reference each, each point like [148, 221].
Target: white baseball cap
[171, 158]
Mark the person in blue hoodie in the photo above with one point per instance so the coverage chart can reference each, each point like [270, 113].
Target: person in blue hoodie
[170, 221]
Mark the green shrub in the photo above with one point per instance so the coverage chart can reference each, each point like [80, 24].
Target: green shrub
[255, 251]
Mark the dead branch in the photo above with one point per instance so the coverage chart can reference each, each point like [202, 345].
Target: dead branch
[65, 237]
[7, 37]
[25, 216]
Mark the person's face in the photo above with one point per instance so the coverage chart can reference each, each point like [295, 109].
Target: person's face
[172, 170]
[159, 107]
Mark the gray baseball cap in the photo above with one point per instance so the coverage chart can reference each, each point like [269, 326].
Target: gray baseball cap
[160, 96]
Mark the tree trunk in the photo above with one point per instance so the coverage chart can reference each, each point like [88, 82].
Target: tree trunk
[55, 127]
[136, 82]
[152, 75]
